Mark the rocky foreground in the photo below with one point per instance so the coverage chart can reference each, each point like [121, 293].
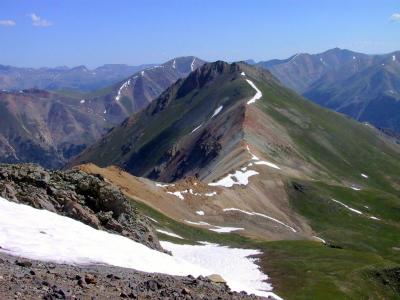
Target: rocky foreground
[28, 279]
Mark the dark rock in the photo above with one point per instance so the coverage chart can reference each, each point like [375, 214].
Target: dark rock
[90, 279]
[152, 285]
[23, 263]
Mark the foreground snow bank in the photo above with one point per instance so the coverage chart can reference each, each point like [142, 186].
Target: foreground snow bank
[43, 235]
[240, 272]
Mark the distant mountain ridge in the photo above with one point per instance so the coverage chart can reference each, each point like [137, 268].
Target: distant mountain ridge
[137, 91]
[78, 78]
[50, 127]
[365, 87]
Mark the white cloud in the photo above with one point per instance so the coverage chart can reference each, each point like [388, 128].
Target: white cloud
[38, 21]
[395, 17]
[7, 23]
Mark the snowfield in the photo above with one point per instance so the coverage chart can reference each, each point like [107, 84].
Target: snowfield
[43, 235]
[239, 178]
[226, 262]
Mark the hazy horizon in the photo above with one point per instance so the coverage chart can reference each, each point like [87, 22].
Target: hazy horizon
[50, 33]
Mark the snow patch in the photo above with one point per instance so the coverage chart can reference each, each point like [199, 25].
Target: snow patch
[348, 207]
[150, 218]
[174, 64]
[269, 164]
[364, 175]
[260, 215]
[394, 57]
[217, 111]
[243, 74]
[221, 229]
[239, 177]
[210, 194]
[355, 188]
[319, 239]
[196, 128]
[124, 86]
[68, 241]
[164, 185]
[374, 218]
[178, 194]
[200, 212]
[192, 64]
[258, 94]
[261, 162]
[234, 265]
[253, 157]
[82, 101]
[201, 223]
[169, 234]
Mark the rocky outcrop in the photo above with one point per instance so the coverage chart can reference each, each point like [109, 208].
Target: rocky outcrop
[75, 194]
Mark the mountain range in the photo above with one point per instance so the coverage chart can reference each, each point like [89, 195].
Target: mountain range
[78, 78]
[225, 161]
[231, 149]
[365, 87]
[50, 127]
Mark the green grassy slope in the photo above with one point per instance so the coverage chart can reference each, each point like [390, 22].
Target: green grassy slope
[361, 254]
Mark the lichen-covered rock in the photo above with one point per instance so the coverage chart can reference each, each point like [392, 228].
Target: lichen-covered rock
[83, 197]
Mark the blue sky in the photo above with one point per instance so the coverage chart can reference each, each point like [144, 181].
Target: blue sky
[94, 32]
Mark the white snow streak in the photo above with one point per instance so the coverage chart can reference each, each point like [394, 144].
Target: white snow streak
[269, 164]
[196, 128]
[217, 111]
[243, 74]
[355, 188]
[43, 235]
[260, 215]
[200, 212]
[221, 229]
[258, 94]
[174, 64]
[82, 101]
[192, 64]
[363, 175]
[124, 86]
[169, 234]
[150, 218]
[319, 239]
[197, 223]
[261, 162]
[348, 207]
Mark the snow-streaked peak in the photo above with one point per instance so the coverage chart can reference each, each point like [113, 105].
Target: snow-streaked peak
[192, 64]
